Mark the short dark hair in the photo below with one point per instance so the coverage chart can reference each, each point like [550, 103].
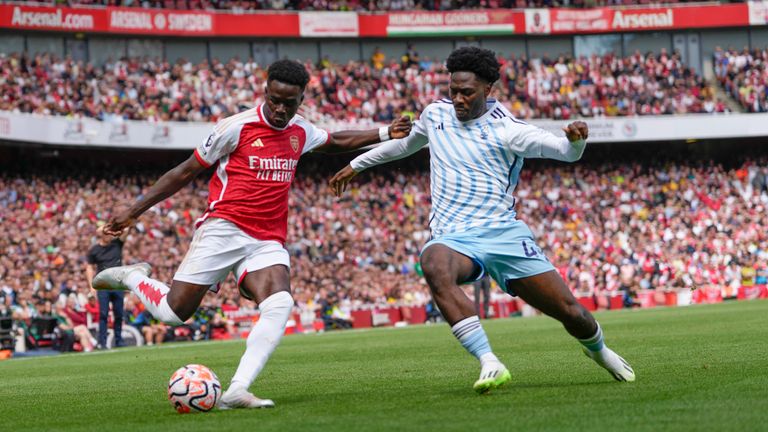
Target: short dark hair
[481, 62]
[288, 72]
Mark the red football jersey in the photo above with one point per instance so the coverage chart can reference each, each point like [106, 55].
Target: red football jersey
[256, 164]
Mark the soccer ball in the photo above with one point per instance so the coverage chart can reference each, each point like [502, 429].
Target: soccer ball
[194, 388]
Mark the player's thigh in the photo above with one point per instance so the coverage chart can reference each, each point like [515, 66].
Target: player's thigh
[258, 285]
[264, 271]
[546, 292]
[443, 265]
[218, 245]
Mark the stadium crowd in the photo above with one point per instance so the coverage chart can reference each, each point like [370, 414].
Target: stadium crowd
[744, 75]
[352, 5]
[356, 93]
[608, 228]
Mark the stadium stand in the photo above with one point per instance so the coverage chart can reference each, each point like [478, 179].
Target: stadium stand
[743, 75]
[613, 229]
[352, 93]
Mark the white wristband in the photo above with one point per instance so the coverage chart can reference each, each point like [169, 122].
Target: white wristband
[384, 133]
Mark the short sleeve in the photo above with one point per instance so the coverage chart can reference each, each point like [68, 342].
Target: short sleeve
[315, 138]
[91, 258]
[219, 143]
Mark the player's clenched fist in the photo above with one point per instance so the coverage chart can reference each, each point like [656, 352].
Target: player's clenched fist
[118, 224]
[400, 128]
[576, 131]
[340, 180]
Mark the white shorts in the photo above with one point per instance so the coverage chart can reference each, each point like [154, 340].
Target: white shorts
[219, 247]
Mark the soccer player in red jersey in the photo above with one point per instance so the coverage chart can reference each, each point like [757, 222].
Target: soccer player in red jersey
[244, 227]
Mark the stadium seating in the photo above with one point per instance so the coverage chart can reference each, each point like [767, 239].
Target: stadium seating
[7, 337]
[614, 231]
[744, 75]
[352, 94]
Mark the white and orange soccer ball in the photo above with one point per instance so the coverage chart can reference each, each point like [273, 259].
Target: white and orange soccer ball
[193, 388]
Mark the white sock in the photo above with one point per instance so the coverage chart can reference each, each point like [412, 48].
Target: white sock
[154, 296]
[472, 337]
[263, 339]
[488, 358]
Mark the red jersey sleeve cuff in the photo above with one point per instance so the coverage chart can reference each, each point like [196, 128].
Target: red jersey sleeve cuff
[327, 140]
[201, 160]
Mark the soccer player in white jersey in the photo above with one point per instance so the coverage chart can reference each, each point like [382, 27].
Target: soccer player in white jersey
[244, 227]
[476, 153]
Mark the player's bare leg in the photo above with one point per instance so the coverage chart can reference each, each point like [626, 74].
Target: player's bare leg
[270, 289]
[171, 305]
[444, 270]
[548, 293]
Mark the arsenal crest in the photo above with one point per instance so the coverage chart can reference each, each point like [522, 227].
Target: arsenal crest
[294, 143]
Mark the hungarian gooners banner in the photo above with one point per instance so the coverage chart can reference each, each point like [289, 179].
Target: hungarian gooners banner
[480, 22]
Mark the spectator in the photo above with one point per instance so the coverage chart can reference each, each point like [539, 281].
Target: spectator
[107, 253]
[482, 290]
[378, 58]
[73, 330]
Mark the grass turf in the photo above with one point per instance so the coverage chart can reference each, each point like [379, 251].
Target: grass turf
[699, 368]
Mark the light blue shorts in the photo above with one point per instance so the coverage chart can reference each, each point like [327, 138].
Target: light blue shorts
[505, 253]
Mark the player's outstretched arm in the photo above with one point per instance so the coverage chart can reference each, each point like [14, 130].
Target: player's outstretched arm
[533, 142]
[387, 152]
[349, 140]
[166, 186]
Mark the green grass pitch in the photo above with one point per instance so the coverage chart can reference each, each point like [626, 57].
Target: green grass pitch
[700, 368]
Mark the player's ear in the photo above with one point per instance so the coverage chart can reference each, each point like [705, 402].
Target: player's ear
[487, 89]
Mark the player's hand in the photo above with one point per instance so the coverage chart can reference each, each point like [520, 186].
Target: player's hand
[340, 180]
[576, 131]
[117, 225]
[400, 128]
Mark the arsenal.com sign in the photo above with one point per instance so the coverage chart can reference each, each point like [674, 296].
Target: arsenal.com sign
[113, 20]
[49, 18]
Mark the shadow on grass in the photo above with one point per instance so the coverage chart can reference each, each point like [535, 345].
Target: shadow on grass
[514, 388]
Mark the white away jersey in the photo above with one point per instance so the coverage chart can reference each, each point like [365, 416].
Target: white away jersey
[475, 165]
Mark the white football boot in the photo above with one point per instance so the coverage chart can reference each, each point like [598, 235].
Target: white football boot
[240, 398]
[613, 363]
[112, 278]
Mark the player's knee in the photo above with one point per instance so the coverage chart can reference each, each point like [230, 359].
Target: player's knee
[182, 310]
[436, 273]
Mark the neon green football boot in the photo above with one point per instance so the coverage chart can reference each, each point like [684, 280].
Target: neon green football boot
[493, 375]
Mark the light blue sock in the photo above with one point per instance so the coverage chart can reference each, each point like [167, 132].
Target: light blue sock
[595, 343]
[472, 337]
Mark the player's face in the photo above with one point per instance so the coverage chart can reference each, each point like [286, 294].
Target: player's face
[283, 101]
[468, 94]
